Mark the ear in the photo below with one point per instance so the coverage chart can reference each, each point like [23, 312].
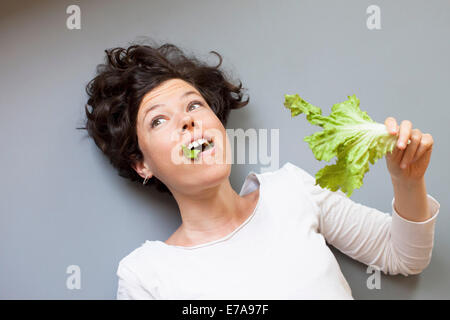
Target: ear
[142, 169]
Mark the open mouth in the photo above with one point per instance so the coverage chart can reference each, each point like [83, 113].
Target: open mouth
[193, 150]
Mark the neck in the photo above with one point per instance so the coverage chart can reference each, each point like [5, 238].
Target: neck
[212, 213]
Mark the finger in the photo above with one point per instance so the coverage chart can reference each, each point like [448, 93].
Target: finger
[391, 125]
[395, 155]
[425, 144]
[405, 133]
[416, 137]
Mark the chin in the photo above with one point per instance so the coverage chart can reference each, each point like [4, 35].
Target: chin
[211, 175]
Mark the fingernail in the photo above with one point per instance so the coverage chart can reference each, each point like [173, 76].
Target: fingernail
[403, 166]
[401, 144]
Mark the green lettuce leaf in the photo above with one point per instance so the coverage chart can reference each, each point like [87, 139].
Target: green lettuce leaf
[191, 154]
[348, 134]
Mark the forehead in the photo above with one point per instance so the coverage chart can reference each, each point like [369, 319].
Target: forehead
[170, 89]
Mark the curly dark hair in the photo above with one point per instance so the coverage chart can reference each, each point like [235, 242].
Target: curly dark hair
[122, 81]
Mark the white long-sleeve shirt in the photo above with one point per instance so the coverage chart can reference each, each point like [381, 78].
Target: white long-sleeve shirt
[280, 251]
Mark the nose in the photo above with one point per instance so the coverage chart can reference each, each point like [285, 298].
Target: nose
[187, 124]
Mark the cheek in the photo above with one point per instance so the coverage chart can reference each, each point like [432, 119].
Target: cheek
[164, 151]
[159, 148]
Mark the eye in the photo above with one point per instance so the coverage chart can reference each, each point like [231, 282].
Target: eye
[155, 121]
[193, 103]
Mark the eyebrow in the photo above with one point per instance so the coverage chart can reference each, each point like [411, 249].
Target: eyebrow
[184, 95]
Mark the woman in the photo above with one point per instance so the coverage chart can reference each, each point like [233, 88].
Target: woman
[148, 104]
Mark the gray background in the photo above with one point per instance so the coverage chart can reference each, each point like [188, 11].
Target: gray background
[63, 204]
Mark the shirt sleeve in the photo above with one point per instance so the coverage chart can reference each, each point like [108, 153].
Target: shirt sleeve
[129, 287]
[391, 243]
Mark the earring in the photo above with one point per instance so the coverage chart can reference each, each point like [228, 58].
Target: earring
[145, 181]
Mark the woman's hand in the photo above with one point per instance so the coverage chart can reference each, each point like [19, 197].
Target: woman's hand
[409, 159]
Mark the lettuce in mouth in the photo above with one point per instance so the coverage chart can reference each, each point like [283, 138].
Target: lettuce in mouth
[348, 134]
[190, 154]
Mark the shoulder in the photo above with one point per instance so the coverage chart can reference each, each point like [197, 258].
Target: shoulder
[291, 174]
[289, 182]
[300, 184]
[137, 276]
[140, 258]
[307, 181]
[298, 172]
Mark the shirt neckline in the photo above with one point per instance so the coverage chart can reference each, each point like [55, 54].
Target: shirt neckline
[201, 245]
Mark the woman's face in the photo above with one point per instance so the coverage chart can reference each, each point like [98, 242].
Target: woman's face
[182, 116]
